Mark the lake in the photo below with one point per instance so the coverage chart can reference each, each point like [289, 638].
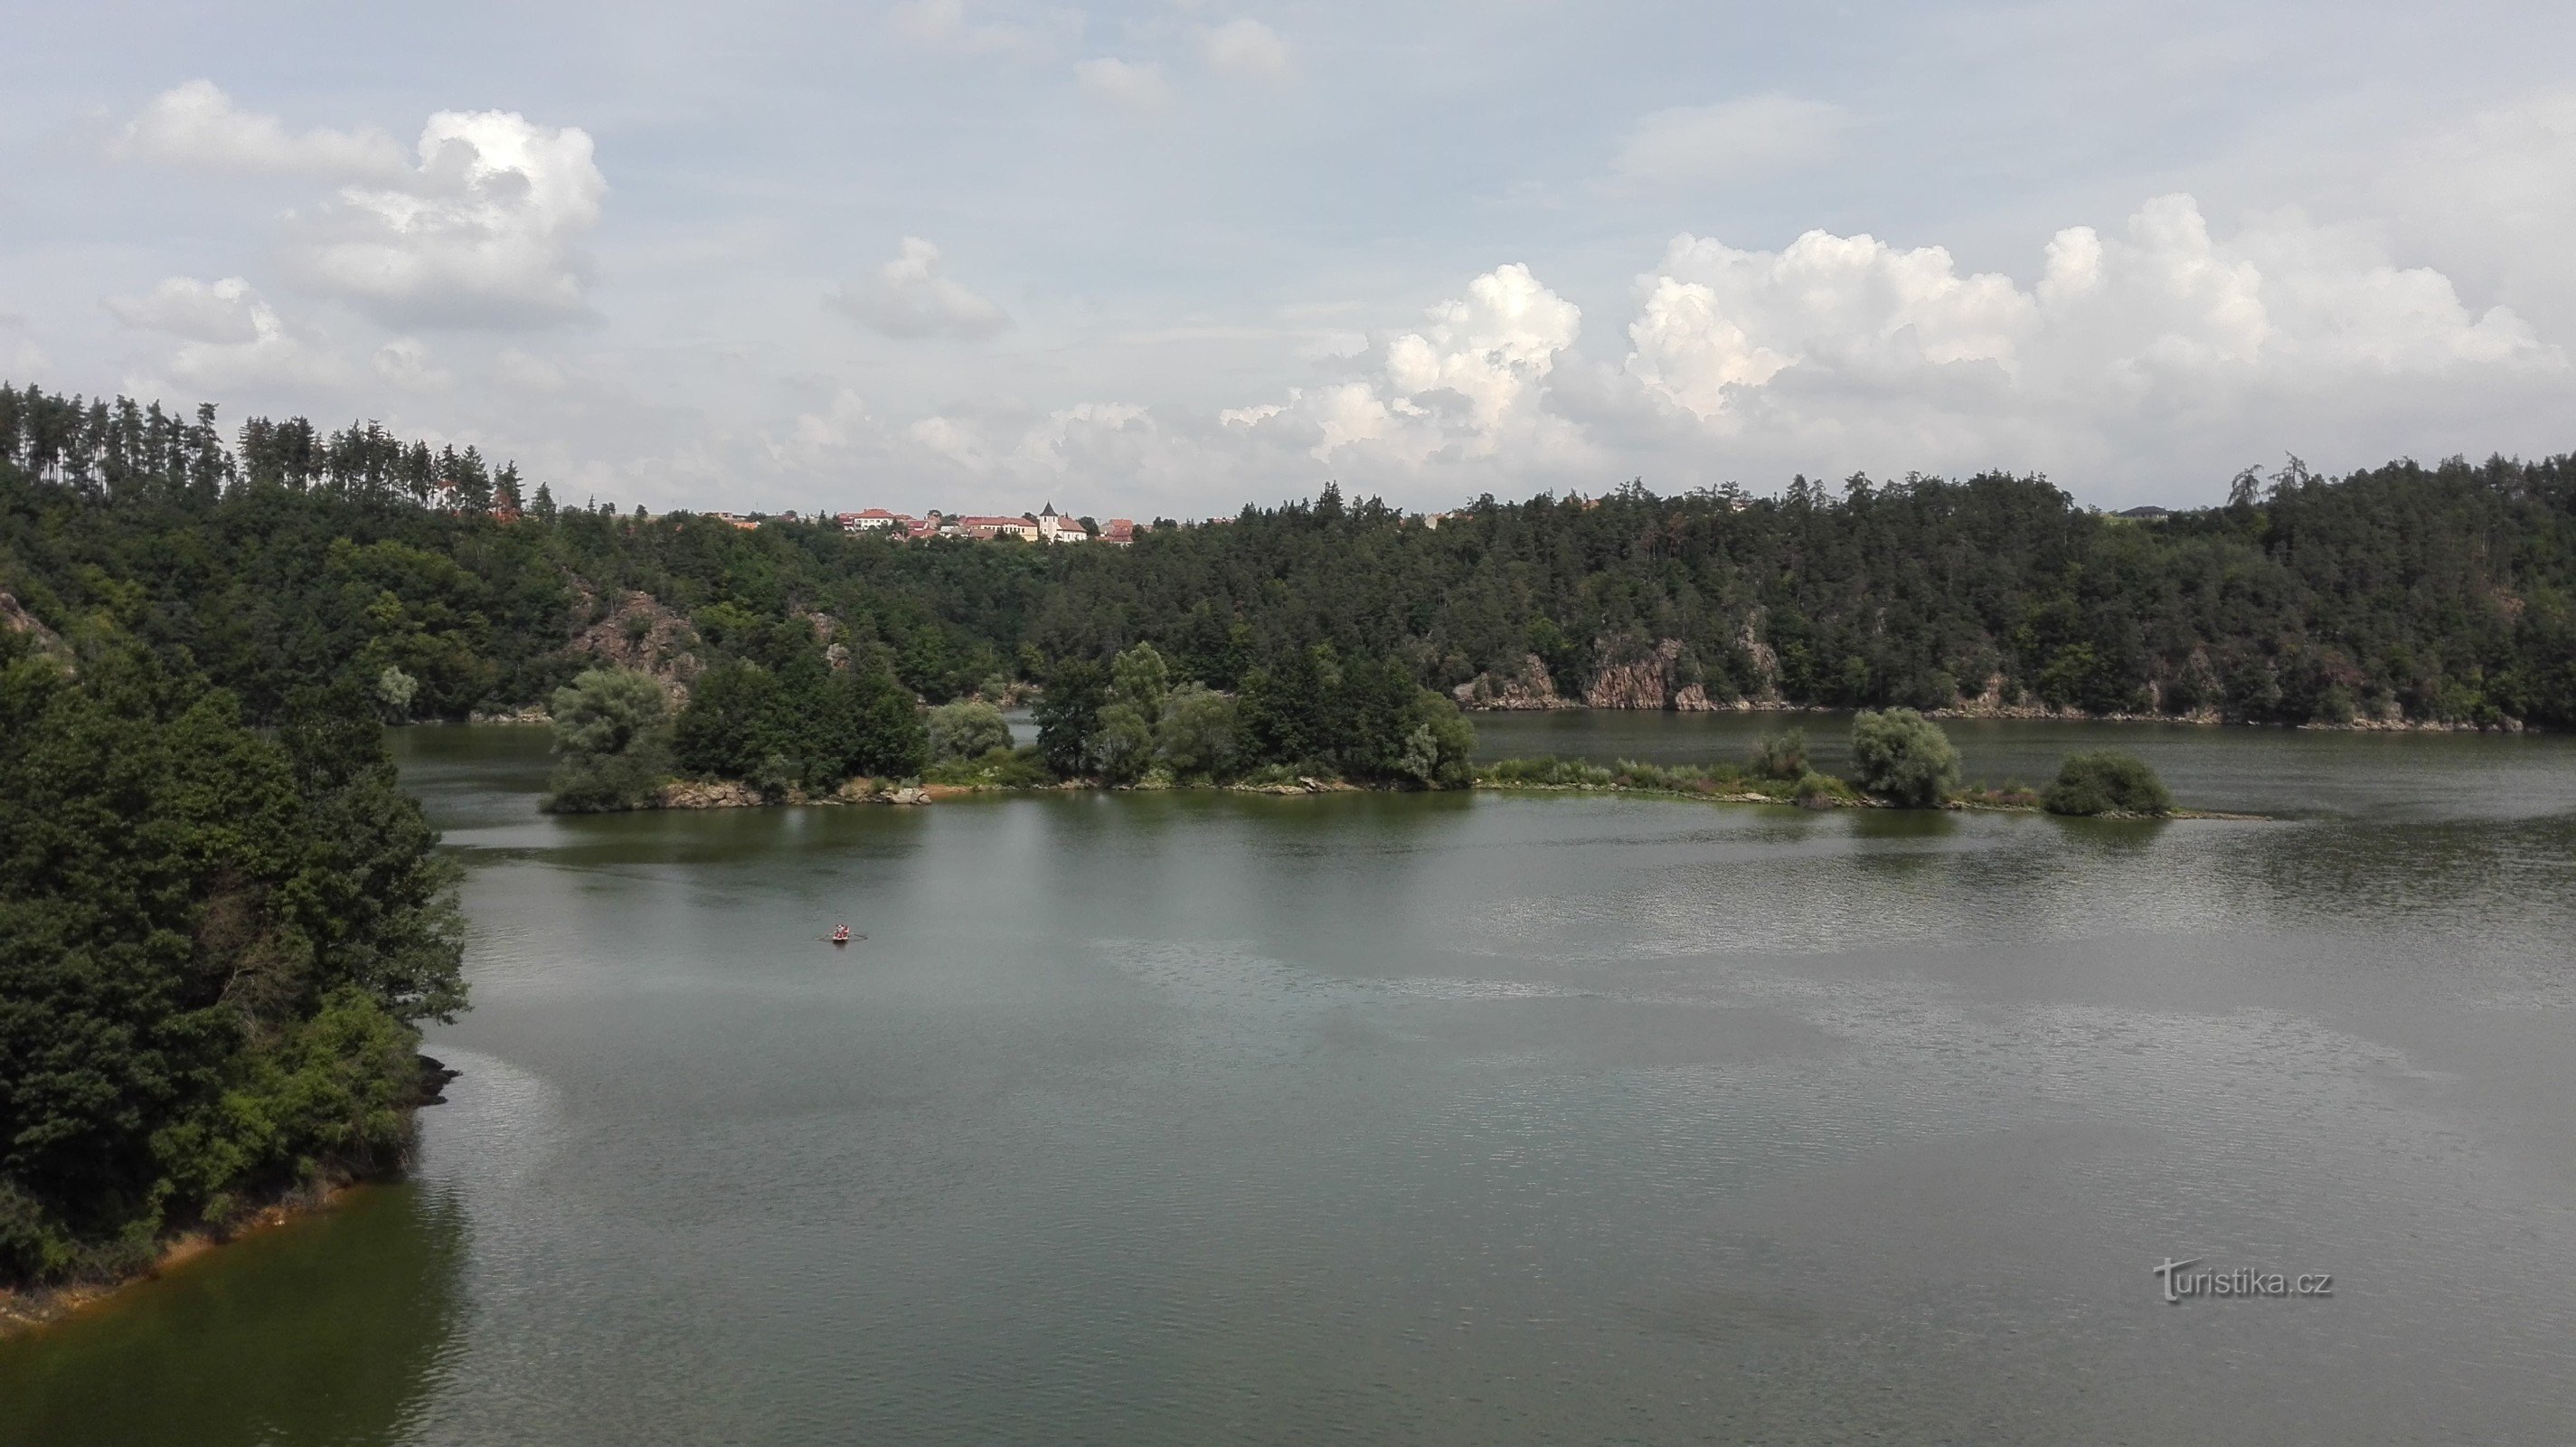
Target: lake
[1191, 1117]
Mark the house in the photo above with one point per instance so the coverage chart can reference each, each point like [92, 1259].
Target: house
[987, 528]
[875, 519]
[1054, 527]
[1120, 531]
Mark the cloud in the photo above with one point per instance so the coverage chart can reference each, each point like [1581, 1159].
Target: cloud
[526, 373]
[2137, 356]
[1133, 85]
[943, 23]
[2495, 196]
[229, 338]
[1247, 47]
[2157, 341]
[909, 298]
[220, 312]
[487, 230]
[1730, 141]
[196, 124]
[1466, 387]
[405, 363]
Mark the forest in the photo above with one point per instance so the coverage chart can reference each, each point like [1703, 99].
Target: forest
[286, 557]
[216, 945]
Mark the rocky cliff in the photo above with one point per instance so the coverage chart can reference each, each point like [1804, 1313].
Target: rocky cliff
[636, 631]
[1633, 675]
[1525, 685]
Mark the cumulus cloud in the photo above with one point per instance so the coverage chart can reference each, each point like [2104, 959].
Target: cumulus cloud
[488, 229]
[196, 124]
[229, 338]
[218, 311]
[2134, 356]
[1133, 85]
[1465, 387]
[1247, 47]
[909, 297]
[2495, 197]
[1730, 141]
[2157, 340]
[943, 23]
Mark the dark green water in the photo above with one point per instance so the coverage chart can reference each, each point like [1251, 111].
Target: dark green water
[1194, 1118]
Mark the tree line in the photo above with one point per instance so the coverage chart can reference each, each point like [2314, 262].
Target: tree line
[290, 555]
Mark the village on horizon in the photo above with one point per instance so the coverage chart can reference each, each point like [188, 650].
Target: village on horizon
[1043, 526]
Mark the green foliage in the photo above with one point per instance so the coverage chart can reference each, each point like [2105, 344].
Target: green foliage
[1822, 791]
[1002, 768]
[1121, 745]
[723, 732]
[968, 729]
[214, 945]
[612, 742]
[804, 725]
[1066, 712]
[2106, 781]
[395, 690]
[1903, 757]
[1782, 754]
[1140, 678]
[1197, 738]
[294, 555]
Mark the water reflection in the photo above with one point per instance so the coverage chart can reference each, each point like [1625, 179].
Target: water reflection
[325, 1331]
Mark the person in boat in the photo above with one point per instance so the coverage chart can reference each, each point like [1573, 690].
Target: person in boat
[840, 934]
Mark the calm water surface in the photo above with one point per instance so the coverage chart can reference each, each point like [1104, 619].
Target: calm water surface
[1192, 1118]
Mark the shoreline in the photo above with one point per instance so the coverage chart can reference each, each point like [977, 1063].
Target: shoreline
[688, 795]
[26, 1310]
[2038, 713]
[33, 1308]
[533, 716]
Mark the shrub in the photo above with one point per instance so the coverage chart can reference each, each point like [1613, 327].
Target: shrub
[1904, 757]
[2107, 782]
[1781, 755]
[612, 742]
[1020, 768]
[967, 730]
[1548, 772]
[1823, 791]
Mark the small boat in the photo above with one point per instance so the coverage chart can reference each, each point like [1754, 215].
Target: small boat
[840, 934]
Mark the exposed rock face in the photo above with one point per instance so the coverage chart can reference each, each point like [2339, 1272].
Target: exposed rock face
[1658, 677]
[1766, 663]
[720, 794]
[640, 633]
[1525, 686]
[16, 619]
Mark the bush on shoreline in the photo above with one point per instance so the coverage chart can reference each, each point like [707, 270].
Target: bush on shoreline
[1903, 757]
[2106, 781]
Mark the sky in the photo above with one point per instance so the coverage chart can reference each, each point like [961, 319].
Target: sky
[1164, 258]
